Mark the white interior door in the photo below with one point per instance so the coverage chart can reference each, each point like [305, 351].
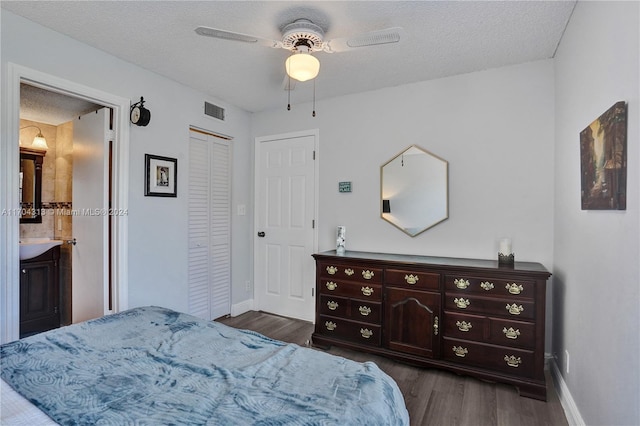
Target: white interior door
[209, 274]
[90, 284]
[284, 271]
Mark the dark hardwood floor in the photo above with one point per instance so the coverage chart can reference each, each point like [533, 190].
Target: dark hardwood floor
[433, 397]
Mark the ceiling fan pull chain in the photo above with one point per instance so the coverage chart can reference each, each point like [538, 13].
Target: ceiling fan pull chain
[314, 98]
[289, 95]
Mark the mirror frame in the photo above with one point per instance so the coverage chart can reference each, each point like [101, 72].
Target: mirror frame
[38, 159]
[446, 183]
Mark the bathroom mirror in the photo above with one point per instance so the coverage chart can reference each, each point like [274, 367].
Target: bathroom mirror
[414, 190]
[30, 185]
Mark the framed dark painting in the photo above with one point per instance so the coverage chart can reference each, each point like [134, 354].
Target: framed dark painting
[603, 161]
[160, 176]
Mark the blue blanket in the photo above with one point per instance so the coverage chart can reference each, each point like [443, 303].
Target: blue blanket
[156, 366]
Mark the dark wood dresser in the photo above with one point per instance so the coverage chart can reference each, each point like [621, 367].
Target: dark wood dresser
[468, 316]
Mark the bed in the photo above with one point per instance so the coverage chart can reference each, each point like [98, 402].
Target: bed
[152, 365]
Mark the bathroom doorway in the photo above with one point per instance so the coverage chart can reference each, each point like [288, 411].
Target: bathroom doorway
[117, 263]
[72, 166]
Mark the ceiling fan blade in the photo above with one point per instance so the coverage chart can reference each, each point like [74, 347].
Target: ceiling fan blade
[229, 35]
[372, 38]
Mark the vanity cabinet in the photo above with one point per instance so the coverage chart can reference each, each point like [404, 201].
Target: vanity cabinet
[469, 316]
[39, 293]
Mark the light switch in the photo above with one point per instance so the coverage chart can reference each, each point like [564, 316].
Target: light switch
[242, 210]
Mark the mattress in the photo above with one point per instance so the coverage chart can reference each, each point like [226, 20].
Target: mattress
[152, 365]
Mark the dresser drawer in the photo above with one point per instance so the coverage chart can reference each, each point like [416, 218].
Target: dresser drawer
[512, 333]
[507, 360]
[334, 305]
[490, 287]
[358, 310]
[411, 279]
[362, 310]
[489, 306]
[489, 330]
[365, 291]
[358, 273]
[367, 334]
[463, 326]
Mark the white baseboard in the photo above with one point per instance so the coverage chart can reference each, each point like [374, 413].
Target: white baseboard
[241, 308]
[568, 404]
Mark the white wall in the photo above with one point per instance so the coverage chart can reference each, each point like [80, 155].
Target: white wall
[157, 226]
[495, 128]
[597, 280]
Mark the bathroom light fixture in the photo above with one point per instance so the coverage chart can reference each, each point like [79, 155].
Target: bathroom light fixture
[39, 142]
[301, 65]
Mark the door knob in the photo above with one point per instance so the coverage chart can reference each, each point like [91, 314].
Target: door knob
[74, 242]
[261, 234]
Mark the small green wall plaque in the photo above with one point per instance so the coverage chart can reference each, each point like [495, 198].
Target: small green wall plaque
[344, 186]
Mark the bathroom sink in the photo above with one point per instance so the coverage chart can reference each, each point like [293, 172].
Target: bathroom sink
[33, 247]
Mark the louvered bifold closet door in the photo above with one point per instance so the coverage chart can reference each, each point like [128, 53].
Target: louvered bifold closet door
[220, 231]
[209, 272]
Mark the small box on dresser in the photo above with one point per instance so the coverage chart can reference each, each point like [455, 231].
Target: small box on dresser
[468, 316]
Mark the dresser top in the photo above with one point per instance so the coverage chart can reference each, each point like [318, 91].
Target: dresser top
[444, 262]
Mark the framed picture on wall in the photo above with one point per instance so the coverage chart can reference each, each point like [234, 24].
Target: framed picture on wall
[161, 176]
[603, 161]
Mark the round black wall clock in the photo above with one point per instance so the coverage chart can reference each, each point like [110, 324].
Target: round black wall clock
[139, 115]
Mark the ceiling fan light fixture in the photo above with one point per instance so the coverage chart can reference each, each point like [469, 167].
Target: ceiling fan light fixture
[302, 66]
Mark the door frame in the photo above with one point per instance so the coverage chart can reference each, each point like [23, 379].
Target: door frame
[256, 156]
[9, 161]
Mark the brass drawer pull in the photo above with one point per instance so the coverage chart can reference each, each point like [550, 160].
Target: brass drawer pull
[514, 288]
[460, 283]
[367, 275]
[511, 333]
[367, 291]
[486, 285]
[461, 303]
[332, 305]
[330, 325]
[460, 351]
[366, 333]
[464, 326]
[331, 270]
[364, 310]
[514, 309]
[513, 361]
[411, 279]
[331, 285]
[349, 271]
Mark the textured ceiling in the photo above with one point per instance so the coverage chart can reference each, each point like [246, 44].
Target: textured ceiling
[48, 107]
[442, 39]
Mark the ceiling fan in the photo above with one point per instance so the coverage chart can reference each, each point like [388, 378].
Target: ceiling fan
[302, 37]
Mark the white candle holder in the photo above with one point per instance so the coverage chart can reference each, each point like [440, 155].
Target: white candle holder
[340, 239]
[505, 253]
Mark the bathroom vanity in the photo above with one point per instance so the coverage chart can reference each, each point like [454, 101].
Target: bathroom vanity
[39, 293]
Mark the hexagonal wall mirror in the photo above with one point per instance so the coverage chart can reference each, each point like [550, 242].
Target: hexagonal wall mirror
[414, 190]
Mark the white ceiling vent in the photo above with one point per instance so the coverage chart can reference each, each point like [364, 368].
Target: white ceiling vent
[214, 111]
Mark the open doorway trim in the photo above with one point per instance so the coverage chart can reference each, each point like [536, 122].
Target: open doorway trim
[9, 252]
